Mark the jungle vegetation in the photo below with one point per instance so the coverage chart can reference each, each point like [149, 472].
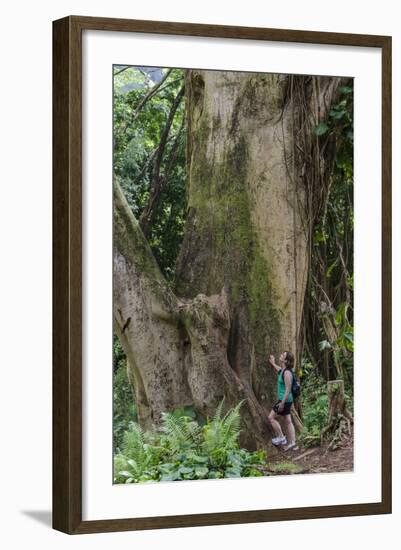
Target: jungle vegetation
[233, 239]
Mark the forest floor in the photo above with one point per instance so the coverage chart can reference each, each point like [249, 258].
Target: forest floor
[312, 460]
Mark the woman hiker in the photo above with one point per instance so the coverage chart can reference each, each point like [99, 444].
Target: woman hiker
[285, 400]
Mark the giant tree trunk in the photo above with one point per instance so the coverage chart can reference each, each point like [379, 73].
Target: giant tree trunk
[241, 273]
[244, 229]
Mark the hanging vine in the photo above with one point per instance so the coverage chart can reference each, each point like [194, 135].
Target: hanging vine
[321, 166]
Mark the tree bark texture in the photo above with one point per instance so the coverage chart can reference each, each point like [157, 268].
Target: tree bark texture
[339, 418]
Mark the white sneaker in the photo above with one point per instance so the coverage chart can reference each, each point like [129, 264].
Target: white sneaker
[279, 440]
[290, 446]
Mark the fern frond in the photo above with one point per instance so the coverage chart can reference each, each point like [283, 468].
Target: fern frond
[120, 464]
[230, 431]
[223, 433]
[133, 444]
[194, 432]
[231, 426]
[176, 431]
[219, 411]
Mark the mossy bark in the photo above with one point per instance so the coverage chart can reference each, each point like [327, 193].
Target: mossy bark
[176, 348]
[146, 321]
[244, 230]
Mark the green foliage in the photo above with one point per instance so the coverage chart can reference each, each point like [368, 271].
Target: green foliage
[183, 449]
[124, 409]
[342, 346]
[137, 133]
[345, 340]
[221, 434]
[315, 403]
[137, 462]
[285, 468]
[179, 433]
[321, 129]
[340, 123]
[329, 295]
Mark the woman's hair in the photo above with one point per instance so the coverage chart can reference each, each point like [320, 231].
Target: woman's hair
[289, 360]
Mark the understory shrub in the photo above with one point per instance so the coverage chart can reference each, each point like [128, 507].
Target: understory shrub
[315, 406]
[184, 449]
[124, 408]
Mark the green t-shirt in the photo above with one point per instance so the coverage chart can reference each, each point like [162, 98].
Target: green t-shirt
[281, 388]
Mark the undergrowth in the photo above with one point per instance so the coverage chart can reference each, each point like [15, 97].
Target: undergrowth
[315, 405]
[182, 449]
[285, 468]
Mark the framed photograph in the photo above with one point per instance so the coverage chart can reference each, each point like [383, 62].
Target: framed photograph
[221, 274]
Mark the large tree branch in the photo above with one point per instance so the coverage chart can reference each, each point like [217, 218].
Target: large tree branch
[174, 151]
[158, 180]
[146, 320]
[153, 91]
[122, 70]
[165, 133]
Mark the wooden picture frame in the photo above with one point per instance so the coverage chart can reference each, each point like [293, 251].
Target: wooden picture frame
[67, 274]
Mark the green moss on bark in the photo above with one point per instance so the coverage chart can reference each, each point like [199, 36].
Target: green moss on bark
[221, 242]
[129, 240]
[130, 243]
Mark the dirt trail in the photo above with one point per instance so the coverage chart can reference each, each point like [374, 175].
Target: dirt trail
[312, 460]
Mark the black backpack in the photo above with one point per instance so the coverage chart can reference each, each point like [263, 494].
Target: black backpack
[296, 386]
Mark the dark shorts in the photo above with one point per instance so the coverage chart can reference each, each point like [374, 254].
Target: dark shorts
[285, 411]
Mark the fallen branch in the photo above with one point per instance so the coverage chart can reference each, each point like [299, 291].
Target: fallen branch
[303, 455]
